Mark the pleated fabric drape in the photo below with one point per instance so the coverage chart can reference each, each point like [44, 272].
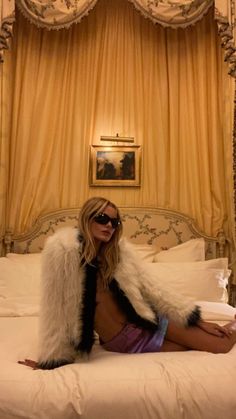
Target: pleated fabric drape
[117, 72]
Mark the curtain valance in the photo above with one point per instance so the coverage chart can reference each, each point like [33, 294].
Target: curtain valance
[57, 14]
[173, 13]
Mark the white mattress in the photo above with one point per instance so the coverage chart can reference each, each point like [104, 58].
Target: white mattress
[192, 385]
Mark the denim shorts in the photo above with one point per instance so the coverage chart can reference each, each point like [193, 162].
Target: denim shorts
[133, 339]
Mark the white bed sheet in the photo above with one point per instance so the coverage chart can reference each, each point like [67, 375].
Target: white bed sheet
[177, 385]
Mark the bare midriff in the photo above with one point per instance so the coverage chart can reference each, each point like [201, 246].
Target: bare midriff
[109, 319]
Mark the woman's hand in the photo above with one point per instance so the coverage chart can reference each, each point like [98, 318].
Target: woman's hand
[29, 363]
[214, 329]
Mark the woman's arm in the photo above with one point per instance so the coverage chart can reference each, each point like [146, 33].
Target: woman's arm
[214, 329]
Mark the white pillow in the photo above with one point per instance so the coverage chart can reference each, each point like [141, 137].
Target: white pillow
[19, 283]
[190, 251]
[205, 281]
[218, 263]
[216, 311]
[19, 306]
[25, 258]
[145, 251]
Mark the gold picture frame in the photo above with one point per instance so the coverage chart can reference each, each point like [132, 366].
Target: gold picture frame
[115, 165]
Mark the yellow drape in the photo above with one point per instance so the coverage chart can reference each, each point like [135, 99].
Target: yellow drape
[5, 123]
[117, 72]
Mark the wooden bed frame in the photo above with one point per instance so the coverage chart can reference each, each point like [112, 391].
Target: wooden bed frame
[160, 227]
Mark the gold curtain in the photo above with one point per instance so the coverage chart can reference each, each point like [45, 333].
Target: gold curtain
[5, 123]
[117, 72]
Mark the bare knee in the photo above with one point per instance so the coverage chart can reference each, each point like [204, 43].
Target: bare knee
[223, 346]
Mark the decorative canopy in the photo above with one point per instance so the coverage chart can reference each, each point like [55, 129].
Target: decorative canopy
[58, 14]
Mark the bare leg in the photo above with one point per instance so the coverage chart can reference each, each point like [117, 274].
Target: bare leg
[169, 346]
[182, 339]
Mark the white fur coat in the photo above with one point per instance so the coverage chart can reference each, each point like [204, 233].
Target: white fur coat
[63, 293]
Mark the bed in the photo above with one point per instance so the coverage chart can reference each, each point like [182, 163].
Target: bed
[109, 385]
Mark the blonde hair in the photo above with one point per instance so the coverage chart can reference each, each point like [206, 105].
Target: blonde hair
[108, 256]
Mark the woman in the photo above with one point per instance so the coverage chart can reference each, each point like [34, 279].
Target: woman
[93, 281]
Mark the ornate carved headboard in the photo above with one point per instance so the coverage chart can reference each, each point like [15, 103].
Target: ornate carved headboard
[160, 227]
[157, 226]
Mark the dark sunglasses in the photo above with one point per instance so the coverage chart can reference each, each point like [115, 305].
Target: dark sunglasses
[105, 219]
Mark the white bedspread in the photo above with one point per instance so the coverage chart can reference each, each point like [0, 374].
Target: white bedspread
[190, 385]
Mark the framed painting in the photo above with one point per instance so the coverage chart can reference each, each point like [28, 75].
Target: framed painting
[115, 165]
